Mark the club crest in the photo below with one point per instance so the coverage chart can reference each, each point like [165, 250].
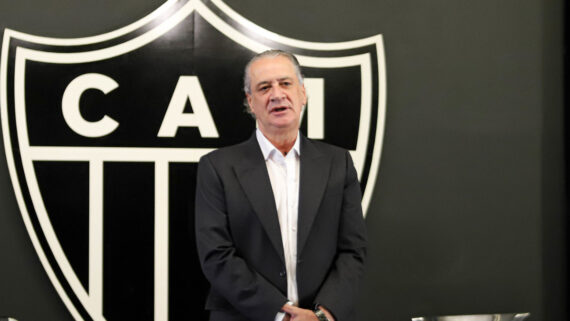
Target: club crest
[103, 135]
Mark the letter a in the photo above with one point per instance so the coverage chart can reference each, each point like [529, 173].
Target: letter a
[188, 87]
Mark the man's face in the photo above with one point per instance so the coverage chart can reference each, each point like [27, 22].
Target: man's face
[277, 97]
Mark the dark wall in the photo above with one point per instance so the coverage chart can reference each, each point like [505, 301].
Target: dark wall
[467, 215]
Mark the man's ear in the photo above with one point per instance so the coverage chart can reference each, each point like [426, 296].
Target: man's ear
[249, 99]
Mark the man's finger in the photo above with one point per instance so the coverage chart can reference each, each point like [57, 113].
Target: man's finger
[291, 309]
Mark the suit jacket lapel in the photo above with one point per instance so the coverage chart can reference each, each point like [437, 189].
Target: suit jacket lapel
[252, 175]
[315, 169]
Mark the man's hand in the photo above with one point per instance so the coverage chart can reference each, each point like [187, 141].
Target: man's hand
[327, 313]
[294, 313]
[298, 314]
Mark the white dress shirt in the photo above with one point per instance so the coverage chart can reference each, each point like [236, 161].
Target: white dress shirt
[284, 176]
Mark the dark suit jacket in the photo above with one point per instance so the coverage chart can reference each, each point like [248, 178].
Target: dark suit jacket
[239, 240]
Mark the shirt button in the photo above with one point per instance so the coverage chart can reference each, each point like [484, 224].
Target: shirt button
[282, 274]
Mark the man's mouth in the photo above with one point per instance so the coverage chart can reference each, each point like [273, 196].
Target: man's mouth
[278, 109]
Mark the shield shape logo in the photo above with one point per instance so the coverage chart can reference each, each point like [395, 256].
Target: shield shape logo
[103, 134]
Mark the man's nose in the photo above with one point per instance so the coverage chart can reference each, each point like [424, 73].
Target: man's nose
[276, 93]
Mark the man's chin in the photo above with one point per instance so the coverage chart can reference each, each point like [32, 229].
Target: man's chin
[281, 127]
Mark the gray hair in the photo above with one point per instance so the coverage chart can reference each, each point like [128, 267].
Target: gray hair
[270, 53]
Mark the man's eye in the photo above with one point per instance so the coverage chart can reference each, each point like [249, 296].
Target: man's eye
[286, 83]
[264, 88]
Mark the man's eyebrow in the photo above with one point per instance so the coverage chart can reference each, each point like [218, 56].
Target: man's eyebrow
[265, 82]
[261, 83]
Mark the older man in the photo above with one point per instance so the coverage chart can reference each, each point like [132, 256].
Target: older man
[279, 224]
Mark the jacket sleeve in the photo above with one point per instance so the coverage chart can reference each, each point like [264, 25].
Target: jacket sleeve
[229, 274]
[340, 288]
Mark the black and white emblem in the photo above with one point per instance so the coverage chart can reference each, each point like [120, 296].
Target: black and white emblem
[103, 135]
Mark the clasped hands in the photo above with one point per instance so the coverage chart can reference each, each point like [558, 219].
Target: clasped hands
[294, 313]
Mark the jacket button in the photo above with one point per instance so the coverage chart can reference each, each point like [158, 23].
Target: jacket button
[282, 274]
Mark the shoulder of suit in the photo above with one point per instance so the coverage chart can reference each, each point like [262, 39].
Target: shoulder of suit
[325, 147]
[243, 149]
[236, 151]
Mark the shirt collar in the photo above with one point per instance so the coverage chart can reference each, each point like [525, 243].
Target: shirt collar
[267, 148]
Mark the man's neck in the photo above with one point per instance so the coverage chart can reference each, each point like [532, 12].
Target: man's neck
[283, 141]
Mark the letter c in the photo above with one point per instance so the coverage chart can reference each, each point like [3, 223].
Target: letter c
[70, 105]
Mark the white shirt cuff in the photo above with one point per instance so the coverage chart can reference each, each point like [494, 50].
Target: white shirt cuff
[281, 315]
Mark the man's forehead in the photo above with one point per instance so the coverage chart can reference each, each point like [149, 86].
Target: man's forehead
[267, 65]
